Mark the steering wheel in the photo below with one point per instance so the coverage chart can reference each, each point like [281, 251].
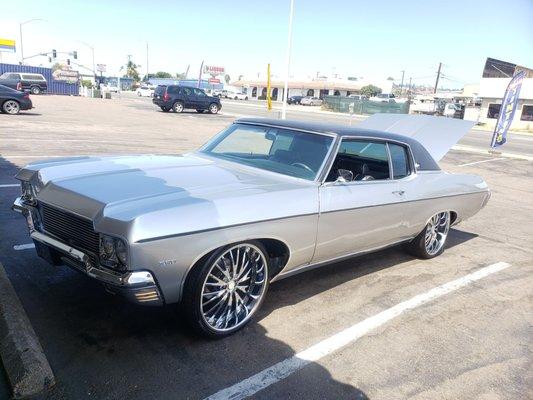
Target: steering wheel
[302, 165]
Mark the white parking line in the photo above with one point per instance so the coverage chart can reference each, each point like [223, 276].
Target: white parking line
[10, 185]
[471, 149]
[327, 346]
[24, 246]
[482, 161]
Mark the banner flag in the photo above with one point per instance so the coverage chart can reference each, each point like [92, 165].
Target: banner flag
[507, 109]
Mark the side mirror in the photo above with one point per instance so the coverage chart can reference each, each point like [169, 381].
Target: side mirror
[345, 175]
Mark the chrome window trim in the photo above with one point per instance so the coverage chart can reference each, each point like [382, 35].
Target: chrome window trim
[412, 163]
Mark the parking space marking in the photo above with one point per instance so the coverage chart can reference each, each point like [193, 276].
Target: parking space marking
[24, 246]
[10, 185]
[482, 161]
[477, 150]
[283, 369]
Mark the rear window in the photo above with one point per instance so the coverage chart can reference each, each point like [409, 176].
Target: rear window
[160, 89]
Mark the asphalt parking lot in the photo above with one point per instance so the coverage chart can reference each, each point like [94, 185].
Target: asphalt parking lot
[472, 343]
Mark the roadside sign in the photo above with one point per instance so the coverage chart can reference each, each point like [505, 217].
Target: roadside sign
[214, 80]
[213, 70]
[101, 67]
[7, 45]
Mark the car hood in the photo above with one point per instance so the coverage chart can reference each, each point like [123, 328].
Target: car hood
[437, 134]
[126, 187]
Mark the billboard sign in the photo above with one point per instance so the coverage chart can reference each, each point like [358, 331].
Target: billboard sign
[101, 67]
[507, 109]
[65, 74]
[7, 45]
[213, 70]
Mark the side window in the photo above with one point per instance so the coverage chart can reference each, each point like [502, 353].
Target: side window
[186, 91]
[493, 110]
[400, 161]
[367, 160]
[199, 93]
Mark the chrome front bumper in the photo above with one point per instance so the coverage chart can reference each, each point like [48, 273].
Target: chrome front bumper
[137, 286]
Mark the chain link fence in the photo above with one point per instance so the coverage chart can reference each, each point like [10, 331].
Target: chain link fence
[353, 106]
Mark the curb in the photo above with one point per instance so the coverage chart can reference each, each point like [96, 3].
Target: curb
[26, 366]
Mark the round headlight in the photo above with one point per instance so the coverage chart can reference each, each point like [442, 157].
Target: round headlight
[122, 252]
[108, 246]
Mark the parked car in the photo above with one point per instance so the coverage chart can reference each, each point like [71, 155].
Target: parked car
[310, 101]
[263, 200]
[239, 96]
[12, 101]
[179, 98]
[145, 91]
[35, 83]
[216, 93]
[294, 99]
[383, 98]
[360, 97]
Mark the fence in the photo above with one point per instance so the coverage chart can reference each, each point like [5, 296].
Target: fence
[342, 104]
[54, 86]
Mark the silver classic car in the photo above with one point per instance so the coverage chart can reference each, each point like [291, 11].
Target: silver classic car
[263, 200]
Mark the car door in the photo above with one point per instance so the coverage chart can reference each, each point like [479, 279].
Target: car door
[364, 213]
[200, 99]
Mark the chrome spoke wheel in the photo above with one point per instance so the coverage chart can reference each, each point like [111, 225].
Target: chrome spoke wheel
[436, 232]
[11, 107]
[233, 288]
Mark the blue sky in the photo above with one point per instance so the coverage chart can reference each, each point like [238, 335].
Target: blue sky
[351, 38]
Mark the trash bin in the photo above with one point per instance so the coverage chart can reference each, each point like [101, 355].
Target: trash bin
[108, 95]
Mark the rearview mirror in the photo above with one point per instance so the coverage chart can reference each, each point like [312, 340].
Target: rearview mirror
[344, 175]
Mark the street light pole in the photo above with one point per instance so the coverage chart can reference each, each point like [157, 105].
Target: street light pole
[20, 32]
[92, 51]
[287, 72]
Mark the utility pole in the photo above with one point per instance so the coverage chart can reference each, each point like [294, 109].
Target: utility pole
[147, 77]
[401, 84]
[409, 89]
[287, 72]
[20, 32]
[200, 74]
[438, 77]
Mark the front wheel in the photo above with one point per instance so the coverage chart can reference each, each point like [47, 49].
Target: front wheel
[430, 242]
[223, 294]
[11, 107]
[213, 108]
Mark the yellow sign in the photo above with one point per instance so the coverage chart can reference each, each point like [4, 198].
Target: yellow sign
[7, 45]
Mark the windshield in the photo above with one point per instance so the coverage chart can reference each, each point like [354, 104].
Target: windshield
[293, 153]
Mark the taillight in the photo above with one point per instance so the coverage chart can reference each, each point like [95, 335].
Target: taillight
[19, 86]
[166, 97]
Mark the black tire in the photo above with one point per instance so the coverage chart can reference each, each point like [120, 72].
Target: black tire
[165, 109]
[200, 111]
[11, 107]
[418, 248]
[35, 90]
[213, 108]
[192, 293]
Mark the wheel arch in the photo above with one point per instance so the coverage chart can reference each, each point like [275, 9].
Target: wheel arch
[277, 251]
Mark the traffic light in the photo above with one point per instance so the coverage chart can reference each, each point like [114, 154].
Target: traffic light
[54, 53]
[75, 55]
[68, 61]
[49, 59]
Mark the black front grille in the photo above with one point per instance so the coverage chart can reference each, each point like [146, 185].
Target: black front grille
[75, 231]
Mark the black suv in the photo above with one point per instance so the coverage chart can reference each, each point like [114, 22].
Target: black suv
[35, 83]
[179, 98]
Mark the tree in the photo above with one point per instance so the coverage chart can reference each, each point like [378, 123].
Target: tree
[162, 74]
[180, 75]
[131, 70]
[370, 90]
[390, 78]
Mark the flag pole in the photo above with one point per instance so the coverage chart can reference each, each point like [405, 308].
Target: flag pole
[287, 72]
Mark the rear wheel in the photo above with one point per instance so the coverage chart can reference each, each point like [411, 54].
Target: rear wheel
[35, 90]
[11, 107]
[223, 294]
[430, 242]
[213, 108]
[177, 107]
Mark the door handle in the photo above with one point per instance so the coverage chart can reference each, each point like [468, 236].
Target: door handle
[399, 192]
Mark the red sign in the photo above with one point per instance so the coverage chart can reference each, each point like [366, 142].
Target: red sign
[213, 80]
